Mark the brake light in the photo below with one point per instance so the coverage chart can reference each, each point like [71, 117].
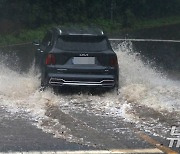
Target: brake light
[113, 61]
[50, 59]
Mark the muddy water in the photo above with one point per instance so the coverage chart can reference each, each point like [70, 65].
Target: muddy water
[148, 99]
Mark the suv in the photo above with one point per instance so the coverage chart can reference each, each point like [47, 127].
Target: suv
[77, 57]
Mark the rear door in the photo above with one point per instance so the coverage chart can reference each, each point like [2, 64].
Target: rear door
[83, 50]
[83, 54]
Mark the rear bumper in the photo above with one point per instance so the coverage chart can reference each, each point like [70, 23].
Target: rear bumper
[81, 80]
[62, 82]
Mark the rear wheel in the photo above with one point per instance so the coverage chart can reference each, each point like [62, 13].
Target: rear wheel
[56, 89]
[44, 80]
[116, 87]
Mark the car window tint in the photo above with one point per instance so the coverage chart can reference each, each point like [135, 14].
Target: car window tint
[82, 43]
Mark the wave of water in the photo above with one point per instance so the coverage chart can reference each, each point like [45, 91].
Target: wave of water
[142, 88]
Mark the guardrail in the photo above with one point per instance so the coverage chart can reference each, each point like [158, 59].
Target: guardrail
[111, 39]
[18, 44]
[144, 40]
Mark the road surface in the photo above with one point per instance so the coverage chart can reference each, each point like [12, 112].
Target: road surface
[139, 117]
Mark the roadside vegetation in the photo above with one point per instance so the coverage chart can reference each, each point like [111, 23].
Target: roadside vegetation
[28, 35]
[26, 20]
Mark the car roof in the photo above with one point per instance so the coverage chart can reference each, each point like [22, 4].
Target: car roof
[74, 30]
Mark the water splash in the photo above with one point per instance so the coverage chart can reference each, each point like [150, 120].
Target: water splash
[145, 85]
[142, 87]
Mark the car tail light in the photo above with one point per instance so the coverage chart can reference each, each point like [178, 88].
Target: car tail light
[50, 59]
[113, 61]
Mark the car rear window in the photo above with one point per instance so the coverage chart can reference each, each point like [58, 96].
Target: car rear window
[82, 43]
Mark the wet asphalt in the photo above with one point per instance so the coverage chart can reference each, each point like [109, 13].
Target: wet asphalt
[18, 133]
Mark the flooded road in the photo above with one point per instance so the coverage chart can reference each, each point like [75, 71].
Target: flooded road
[148, 102]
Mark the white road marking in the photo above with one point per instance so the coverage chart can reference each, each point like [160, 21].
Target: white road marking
[115, 151]
[145, 40]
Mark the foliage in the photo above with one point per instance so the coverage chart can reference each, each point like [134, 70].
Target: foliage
[24, 20]
[35, 13]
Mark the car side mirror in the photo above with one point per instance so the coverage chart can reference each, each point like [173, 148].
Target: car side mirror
[36, 42]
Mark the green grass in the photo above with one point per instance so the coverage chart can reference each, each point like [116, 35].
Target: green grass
[28, 35]
[158, 22]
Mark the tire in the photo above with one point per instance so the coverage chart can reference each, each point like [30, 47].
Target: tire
[55, 89]
[44, 81]
[116, 87]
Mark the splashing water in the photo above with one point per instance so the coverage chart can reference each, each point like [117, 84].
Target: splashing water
[141, 86]
[144, 84]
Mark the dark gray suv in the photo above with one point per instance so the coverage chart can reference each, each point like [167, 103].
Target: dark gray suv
[77, 57]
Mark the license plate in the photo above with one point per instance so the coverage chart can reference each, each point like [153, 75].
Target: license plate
[84, 60]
